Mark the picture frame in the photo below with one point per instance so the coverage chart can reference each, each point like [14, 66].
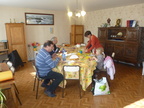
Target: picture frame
[39, 19]
[118, 23]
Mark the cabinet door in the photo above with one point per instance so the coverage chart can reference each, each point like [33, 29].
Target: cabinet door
[16, 39]
[130, 52]
[77, 34]
[102, 33]
[141, 47]
[119, 50]
[72, 39]
[109, 48]
[132, 35]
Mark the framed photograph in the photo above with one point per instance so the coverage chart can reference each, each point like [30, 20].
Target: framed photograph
[39, 19]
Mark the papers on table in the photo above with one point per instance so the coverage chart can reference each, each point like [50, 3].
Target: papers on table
[68, 54]
[74, 57]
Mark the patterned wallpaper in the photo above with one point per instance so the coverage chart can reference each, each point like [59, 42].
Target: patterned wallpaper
[95, 19]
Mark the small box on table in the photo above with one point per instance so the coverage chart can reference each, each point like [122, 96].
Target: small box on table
[5, 73]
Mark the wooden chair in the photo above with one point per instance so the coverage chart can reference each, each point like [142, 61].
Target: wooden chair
[36, 80]
[10, 84]
[7, 82]
[73, 69]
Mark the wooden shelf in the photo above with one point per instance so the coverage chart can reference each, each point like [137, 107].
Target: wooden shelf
[116, 38]
[3, 51]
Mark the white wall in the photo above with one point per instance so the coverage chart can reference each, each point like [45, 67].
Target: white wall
[38, 33]
[95, 19]
[62, 23]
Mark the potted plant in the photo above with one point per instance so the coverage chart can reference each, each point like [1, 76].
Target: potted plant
[2, 98]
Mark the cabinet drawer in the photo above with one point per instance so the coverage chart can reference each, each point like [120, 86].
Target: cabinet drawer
[119, 44]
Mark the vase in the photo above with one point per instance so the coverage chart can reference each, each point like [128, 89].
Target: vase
[35, 49]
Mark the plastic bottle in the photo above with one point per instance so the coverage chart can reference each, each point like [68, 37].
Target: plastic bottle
[63, 55]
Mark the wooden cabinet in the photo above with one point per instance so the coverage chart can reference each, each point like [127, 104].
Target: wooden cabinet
[16, 39]
[126, 42]
[76, 35]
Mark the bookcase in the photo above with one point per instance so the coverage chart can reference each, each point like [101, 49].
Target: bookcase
[126, 42]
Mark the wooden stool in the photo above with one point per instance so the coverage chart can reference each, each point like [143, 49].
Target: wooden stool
[10, 84]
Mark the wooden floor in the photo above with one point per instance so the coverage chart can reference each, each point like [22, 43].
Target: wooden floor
[127, 91]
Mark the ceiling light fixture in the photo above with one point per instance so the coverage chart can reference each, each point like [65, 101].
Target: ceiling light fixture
[78, 12]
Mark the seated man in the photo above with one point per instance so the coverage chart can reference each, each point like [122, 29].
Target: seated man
[45, 63]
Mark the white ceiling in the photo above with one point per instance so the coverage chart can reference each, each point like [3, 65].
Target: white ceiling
[65, 5]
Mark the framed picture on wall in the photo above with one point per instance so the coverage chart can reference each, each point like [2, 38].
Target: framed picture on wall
[39, 19]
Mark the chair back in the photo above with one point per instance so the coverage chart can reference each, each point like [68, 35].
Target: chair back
[113, 55]
[109, 65]
[36, 69]
[71, 72]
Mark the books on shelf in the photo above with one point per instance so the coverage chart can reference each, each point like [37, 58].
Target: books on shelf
[134, 23]
[131, 23]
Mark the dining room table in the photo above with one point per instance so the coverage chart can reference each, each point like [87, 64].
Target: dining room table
[84, 60]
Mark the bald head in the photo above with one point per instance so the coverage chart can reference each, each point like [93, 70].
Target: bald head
[54, 40]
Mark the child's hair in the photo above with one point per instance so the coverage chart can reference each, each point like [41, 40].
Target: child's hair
[100, 50]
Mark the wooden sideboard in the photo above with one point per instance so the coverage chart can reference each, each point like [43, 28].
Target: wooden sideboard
[126, 42]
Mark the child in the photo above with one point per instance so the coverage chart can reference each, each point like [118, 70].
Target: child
[99, 57]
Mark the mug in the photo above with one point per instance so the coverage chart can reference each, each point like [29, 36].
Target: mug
[80, 51]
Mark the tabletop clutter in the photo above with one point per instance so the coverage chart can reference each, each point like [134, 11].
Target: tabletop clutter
[5, 72]
[75, 55]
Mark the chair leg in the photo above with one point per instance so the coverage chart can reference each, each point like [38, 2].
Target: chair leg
[34, 83]
[14, 95]
[16, 88]
[18, 98]
[63, 90]
[79, 89]
[107, 79]
[37, 88]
